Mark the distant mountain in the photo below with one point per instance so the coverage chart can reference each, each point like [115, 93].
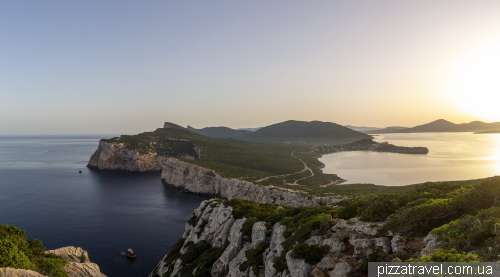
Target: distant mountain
[289, 131]
[249, 129]
[362, 128]
[220, 132]
[442, 125]
[372, 130]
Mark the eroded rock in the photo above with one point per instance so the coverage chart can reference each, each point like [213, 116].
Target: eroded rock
[341, 270]
[297, 267]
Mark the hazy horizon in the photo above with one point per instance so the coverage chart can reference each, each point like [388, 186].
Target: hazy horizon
[125, 67]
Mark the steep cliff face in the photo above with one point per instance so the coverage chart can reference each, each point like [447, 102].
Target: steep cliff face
[217, 243]
[115, 156]
[197, 179]
[77, 266]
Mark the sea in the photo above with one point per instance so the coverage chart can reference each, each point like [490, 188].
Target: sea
[452, 156]
[103, 212]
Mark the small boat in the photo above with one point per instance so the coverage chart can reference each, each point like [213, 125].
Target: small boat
[130, 254]
[80, 171]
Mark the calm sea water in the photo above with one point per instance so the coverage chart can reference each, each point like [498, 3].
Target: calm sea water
[452, 156]
[103, 212]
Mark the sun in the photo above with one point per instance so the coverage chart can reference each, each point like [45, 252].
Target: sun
[474, 81]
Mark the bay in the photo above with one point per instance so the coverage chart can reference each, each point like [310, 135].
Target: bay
[104, 212]
[452, 156]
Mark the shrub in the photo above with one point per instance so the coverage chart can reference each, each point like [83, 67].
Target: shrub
[312, 254]
[450, 256]
[254, 258]
[16, 252]
[381, 207]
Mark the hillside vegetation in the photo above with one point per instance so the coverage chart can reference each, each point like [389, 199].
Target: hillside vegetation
[464, 217]
[231, 158]
[290, 131]
[18, 252]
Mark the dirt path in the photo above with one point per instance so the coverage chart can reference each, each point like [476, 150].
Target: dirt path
[286, 175]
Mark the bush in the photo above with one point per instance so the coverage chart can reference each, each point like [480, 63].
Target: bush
[480, 232]
[12, 256]
[381, 207]
[312, 254]
[16, 252]
[449, 256]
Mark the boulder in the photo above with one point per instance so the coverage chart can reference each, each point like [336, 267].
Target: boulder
[341, 270]
[327, 263]
[317, 273]
[355, 226]
[364, 247]
[431, 243]
[398, 243]
[336, 245]
[315, 240]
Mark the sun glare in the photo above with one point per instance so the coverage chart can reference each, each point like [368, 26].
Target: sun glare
[474, 81]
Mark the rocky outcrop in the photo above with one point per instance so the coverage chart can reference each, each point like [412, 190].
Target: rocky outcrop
[14, 272]
[431, 243]
[115, 156]
[221, 266]
[297, 267]
[237, 252]
[197, 179]
[259, 231]
[79, 263]
[275, 249]
[341, 270]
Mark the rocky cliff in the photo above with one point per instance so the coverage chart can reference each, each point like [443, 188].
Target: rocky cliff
[117, 156]
[302, 242]
[197, 179]
[79, 265]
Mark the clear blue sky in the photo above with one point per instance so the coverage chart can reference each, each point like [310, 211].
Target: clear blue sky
[93, 67]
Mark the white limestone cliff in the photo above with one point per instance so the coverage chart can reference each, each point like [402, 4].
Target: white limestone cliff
[115, 156]
[197, 179]
[349, 243]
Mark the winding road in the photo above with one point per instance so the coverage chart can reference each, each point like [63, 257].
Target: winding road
[286, 175]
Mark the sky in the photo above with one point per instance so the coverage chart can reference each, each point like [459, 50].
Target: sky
[124, 67]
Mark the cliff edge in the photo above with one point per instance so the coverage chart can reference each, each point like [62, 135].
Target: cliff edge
[197, 179]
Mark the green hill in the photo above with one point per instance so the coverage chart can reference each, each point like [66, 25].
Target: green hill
[290, 131]
[221, 132]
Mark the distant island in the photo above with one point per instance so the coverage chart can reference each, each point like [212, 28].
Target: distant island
[489, 132]
[368, 145]
[440, 125]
